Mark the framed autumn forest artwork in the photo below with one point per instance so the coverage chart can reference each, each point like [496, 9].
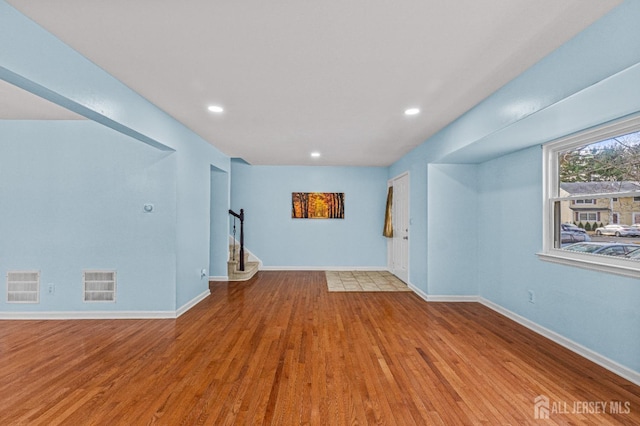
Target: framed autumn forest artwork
[317, 205]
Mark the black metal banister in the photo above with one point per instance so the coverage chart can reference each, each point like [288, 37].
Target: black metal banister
[241, 217]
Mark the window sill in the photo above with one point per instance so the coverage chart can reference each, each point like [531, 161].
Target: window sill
[608, 264]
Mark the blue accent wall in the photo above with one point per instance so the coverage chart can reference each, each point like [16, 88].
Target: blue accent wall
[484, 173]
[220, 201]
[72, 192]
[453, 228]
[264, 192]
[72, 196]
[35, 60]
[597, 310]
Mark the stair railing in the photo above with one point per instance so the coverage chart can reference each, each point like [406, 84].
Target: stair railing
[241, 217]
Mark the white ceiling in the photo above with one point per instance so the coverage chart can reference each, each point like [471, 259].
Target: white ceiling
[300, 76]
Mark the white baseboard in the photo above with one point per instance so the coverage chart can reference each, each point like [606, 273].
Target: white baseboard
[324, 268]
[219, 278]
[83, 315]
[77, 315]
[614, 367]
[190, 304]
[622, 371]
[442, 298]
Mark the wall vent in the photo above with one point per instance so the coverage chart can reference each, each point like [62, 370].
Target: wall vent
[23, 287]
[99, 286]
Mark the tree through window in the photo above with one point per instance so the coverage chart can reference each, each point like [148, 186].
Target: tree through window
[592, 186]
[594, 177]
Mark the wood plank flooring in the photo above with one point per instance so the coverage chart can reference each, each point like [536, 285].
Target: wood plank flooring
[280, 349]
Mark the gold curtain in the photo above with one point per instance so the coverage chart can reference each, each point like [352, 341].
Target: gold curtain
[388, 224]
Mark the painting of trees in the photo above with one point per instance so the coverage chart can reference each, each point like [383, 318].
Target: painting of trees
[317, 205]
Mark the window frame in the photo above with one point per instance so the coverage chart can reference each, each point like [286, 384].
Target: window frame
[587, 219]
[550, 194]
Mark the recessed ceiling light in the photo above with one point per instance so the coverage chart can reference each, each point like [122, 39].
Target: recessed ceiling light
[412, 111]
[315, 154]
[215, 108]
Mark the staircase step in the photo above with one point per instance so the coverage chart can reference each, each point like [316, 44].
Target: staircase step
[236, 255]
[250, 269]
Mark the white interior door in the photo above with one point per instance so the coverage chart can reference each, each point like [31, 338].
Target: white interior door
[400, 218]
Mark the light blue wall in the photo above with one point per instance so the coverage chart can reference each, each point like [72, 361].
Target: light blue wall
[453, 229]
[220, 201]
[510, 207]
[598, 310]
[544, 103]
[193, 224]
[72, 199]
[264, 192]
[33, 59]
[592, 79]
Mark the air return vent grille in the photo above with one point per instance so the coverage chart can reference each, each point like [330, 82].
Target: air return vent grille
[99, 286]
[23, 287]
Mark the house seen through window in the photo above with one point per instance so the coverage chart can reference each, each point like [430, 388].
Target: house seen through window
[592, 193]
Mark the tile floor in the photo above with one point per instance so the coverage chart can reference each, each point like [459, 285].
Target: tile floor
[364, 281]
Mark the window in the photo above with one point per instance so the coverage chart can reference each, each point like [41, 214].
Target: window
[584, 174]
[583, 217]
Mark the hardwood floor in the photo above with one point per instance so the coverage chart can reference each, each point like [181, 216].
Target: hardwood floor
[280, 349]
